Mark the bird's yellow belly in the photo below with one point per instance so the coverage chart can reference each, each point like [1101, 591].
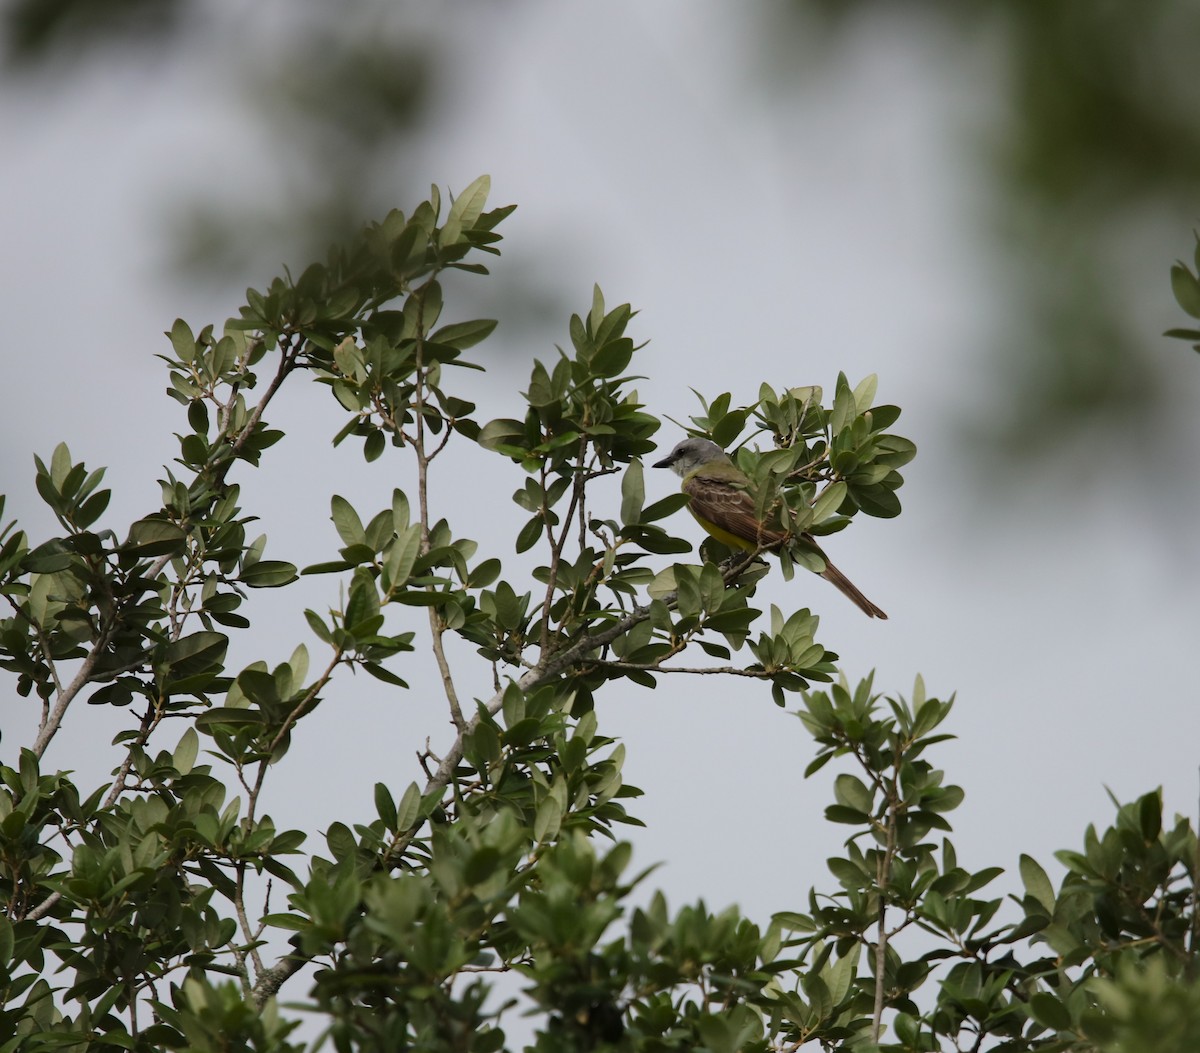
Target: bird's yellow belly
[725, 537]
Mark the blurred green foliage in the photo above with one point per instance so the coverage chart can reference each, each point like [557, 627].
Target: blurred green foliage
[1089, 154]
[1091, 151]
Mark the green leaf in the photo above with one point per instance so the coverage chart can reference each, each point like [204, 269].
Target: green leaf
[841, 975]
[529, 535]
[1149, 810]
[402, 556]
[728, 428]
[229, 715]
[410, 808]
[48, 558]
[843, 406]
[346, 521]
[197, 416]
[332, 567]
[269, 574]
[60, 465]
[878, 502]
[1049, 1011]
[383, 674]
[864, 394]
[197, 653]
[793, 921]
[829, 501]
[318, 626]
[505, 432]
[362, 609]
[374, 446]
[548, 820]
[468, 206]
[1186, 289]
[385, 807]
[853, 793]
[836, 813]
[183, 343]
[611, 359]
[401, 513]
[633, 493]
[291, 922]
[154, 537]
[464, 334]
[92, 509]
[1185, 334]
[1037, 883]
[664, 507]
[484, 574]
[184, 757]
[482, 864]
[596, 314]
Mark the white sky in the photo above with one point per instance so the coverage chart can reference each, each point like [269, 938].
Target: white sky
[836, 227]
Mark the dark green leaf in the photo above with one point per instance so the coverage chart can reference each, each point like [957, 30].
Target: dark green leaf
[464, 334]
[386, 675]
[229, 716]
[1186, 289]
[189, 655]
[345, 519]
[269, 574]
[155, 537]
[529, 535]
[385, 806]
[728, 428]
[374, 446]
[633, 493]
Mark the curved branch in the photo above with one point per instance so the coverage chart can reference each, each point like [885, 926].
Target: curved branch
[81, 678]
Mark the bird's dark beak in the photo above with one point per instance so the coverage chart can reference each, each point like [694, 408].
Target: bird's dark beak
[666, 462]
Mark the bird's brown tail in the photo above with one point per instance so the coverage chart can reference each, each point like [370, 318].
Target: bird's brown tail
[847, 588]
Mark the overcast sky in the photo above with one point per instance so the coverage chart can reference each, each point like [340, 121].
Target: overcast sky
[836, 227]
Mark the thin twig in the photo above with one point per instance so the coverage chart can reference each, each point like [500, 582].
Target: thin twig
[223, 457]
[52, 723]
[239, 905]
[298, 710]
[883, 876]
[654, 667]
[437, 626]
[557, 544]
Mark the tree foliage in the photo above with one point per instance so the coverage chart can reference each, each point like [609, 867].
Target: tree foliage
[139, 915]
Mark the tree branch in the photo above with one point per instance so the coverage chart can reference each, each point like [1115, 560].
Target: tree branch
[82, 676]
[437, 627]
[556, 545]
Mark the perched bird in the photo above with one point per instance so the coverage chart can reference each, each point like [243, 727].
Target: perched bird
[719, 498]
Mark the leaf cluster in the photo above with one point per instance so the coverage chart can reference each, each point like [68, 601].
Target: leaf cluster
[160, 911]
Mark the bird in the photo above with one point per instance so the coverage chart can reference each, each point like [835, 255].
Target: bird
[719, 498]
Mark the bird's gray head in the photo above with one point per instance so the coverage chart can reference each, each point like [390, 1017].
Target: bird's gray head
[689, 454]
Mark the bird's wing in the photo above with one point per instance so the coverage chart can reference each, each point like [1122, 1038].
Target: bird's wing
[727, 506]
[730, 508]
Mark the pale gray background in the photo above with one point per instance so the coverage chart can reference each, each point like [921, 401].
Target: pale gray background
[777, 235]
